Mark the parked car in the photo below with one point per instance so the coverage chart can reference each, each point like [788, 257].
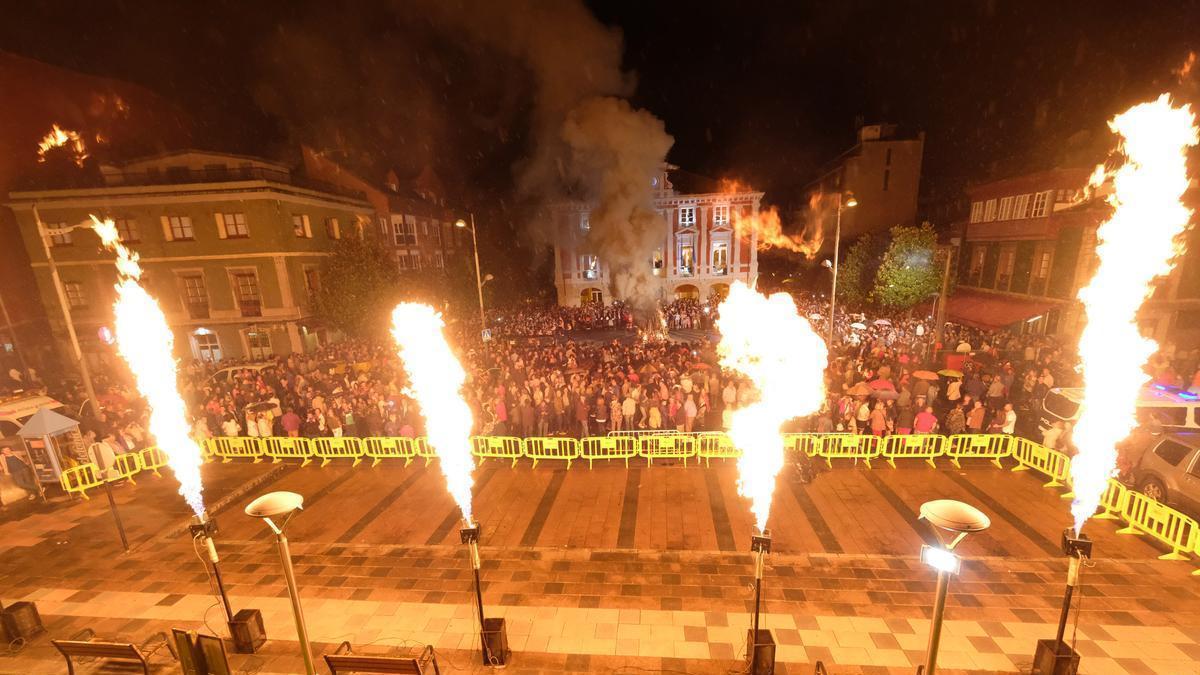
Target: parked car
[1159, 407]
[1169, 472]
[226, 374]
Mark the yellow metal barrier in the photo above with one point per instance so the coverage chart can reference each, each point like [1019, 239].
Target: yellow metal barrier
[667, 446]
[381, 448]
[551, 448]
[79, 479]
[809, 444]
[715, 445]
[126, 465]
[153, 459]
[229, 447]
[279, 448]
[1161, 522]
[919, 446]
[984, 446]
[847, 446]
[1051, 463]
[337, 447]
[424, 449]
[498, 447]
[608, 447]
[1113, 500]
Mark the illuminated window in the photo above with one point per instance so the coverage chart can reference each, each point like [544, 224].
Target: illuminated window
[181, 228]
[301, 227]
[687, 216]
[235, 225]
[657, 261]
[585, 222]
[245, 289]
[195, 295]
[976, 212]
[721, 215]
[333, 229]
[259, 344]
[1021, 207]
[720, 257]
[1006, 208]
[686, 255]
[989, 210]
[590, 265]
[1041, 204]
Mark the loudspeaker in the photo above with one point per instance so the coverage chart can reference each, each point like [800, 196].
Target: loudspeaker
[21, 620]
[495, 639]
[247, 631]
[764, 646]
[1054, 659]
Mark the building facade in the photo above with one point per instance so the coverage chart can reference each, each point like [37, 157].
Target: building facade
[1029, 245]
[231, 248]
[883, 171]
[701, 253]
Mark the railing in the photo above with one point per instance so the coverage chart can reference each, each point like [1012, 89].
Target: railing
[1141, 514]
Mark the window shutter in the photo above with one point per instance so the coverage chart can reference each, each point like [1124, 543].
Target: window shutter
[307, 227]
[221, 226]
[166, 228]
[335, 228]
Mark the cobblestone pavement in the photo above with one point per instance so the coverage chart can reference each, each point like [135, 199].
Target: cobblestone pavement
[606, 570]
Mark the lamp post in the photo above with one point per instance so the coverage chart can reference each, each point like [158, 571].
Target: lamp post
[44, 234]
[285, 504]
[460, 223]
[847, 200]
[960, 519]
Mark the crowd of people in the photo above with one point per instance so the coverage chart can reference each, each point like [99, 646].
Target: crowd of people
[601, 373]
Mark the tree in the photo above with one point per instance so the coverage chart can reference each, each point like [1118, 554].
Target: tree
[857, 271]
[359, 286]
[910, 271]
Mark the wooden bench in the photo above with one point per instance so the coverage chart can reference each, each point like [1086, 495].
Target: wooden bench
[344, 662]
[119, 651]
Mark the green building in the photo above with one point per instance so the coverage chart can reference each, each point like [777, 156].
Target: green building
[231, 247]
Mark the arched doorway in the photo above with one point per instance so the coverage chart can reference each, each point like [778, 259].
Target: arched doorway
[719, 292]
[687, 292]
[591, 295]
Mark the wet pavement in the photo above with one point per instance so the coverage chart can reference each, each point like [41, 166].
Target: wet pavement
[598, 570]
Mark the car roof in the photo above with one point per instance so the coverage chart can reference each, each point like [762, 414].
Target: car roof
[1151, 393]
[1189, 438]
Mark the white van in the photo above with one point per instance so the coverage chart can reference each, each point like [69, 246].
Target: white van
[1170, 409]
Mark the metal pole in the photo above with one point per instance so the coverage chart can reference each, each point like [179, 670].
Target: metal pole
[216, 567]
[1072, 582]
[285, 556]
[478, 276]
[935, 627]
[66, 311]
[942, 300]
[487, 657]
[758, 574]
[112, 505]
[837, 244]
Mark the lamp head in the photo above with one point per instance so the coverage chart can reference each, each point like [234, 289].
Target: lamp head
[275, 504]
[850, 201]
[954, 516]
[827, 263]
[460, 223]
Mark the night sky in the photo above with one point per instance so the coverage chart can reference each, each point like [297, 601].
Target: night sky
[763, 91]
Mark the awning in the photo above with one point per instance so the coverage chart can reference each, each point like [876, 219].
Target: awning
[991, 311]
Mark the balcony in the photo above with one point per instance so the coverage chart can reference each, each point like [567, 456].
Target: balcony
[250, 307]
[197, 310]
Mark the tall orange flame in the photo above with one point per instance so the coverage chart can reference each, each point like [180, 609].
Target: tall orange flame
[768, 226]
[58, 138]
[1137, 244]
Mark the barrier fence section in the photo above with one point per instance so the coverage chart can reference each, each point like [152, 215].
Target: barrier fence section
[1141, 514]
[543, 448]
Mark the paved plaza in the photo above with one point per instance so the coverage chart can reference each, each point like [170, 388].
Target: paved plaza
[609, 570]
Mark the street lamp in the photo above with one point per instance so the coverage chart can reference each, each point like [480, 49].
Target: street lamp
[845, 200]
[960, 519]
[285, 504]
[44, 234]
[460, 223]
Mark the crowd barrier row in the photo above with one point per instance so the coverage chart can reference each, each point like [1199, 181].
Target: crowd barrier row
[1141, 514]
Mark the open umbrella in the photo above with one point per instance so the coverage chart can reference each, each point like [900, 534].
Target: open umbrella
[815, 316]
[950, 373]
[925, 375]
[886, 394]
[858, 326]
[881, 384]
[882, 322]
[860, 389]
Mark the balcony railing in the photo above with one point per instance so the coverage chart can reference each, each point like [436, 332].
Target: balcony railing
[197, 310]
[250, 307]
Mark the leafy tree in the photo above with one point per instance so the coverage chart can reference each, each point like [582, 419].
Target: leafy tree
[857, 270]
[910, 271]
[360, 284]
